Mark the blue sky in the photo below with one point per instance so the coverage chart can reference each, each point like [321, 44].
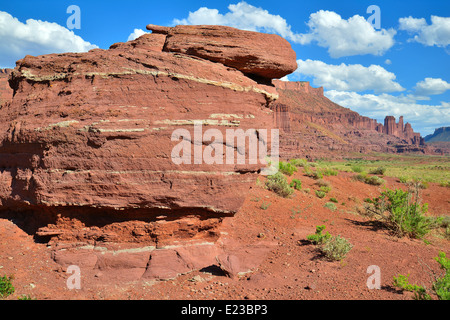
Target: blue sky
[400, 68]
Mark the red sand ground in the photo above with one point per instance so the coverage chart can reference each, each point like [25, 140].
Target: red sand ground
[293, 270]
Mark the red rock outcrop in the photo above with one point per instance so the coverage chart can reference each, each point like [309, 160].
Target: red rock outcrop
[264, 55]
[87, 134]
[87, 143]
[5, 90]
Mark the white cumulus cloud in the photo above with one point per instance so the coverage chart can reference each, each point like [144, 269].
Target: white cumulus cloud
[136, 34]
[431, 86]
[354, 36]
[352, 77]
[35, 37]
[435, 34]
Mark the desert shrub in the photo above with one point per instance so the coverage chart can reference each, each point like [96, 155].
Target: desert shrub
[440, 286]
[334, 200]
[357, 168]
[278, 184]
[325, 189]
[6, 287]
[374, 180]
[296, 184]
[401, 212]
[265, 205]
[299, 162]
[318, 237]
[313, 174]
[322, 183]
[320, 194]
[329, 172]
[402, 282]
[403, 179]
[445, 184]
[379, 170]
[336, 248]
[286, 168]
[331, 206]
[360, 177]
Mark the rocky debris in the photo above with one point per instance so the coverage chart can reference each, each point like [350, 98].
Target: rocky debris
[263, 55]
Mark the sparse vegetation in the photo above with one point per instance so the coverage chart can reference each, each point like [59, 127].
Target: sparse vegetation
[265, 205]
[357, 168]
[320, 194]
[379, 171]
[325, 189]
[278, 184]
[313, 174]
[329, 172]
[296, 184]
[401, 212]
[322, 183]
[331, 206]
[440, 286]
[6, 286]
[318, 237]
[334, 248]
[286, 168]
[334, 200]
[372, 180]
[299, 162]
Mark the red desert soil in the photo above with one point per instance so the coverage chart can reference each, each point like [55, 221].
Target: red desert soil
[292, 270]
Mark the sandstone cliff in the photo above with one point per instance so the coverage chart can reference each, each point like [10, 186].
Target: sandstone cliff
[313, 126]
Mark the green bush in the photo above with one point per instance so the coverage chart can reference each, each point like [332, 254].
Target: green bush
[401, 212]
[299, 162]
[441, 285]
[318, 237]
[325, 189]
[329, 172]
[278, 184]
[296, 184]
[334, 200]
[6, 287]
[320, 194]
[313, 174]
[357, 169]
[331, 206]
[379, 170]
[336, 248]
[286, 168]
[374, 180]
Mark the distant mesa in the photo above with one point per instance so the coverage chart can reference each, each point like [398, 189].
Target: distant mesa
[440, 135]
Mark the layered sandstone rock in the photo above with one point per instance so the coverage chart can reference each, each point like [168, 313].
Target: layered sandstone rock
[96, 129]
[263, 55]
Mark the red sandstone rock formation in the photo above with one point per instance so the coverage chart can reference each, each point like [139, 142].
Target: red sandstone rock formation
[5, 90]
[265, 55]
[86, 142]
